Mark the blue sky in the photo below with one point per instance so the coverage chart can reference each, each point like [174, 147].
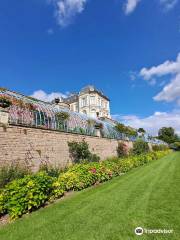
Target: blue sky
[127, 48]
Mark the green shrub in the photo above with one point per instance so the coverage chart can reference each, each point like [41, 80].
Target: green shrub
[140, 147]
[122, 149]
[11, 172]
[160, 147]
[79, 151]
[62, 116]
[2, 204]
[82, 176]
[176, 146]
[52, 171]
[27, 194]
[94, 158]
[33, 191]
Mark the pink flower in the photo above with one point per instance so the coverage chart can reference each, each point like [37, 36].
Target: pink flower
[93, 170]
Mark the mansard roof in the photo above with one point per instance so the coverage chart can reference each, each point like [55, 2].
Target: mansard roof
[92, 89]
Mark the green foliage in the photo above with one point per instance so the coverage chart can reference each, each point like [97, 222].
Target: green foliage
[5, 101]
[122, 149]
[140, 147]
[2, 203]
[52, 171]
[110, 211]
[167, 134]
[176, 146]
[62, 116]
[33, 191]
[81, 176]
[79, 151]
[126, 130]
[27, 194]
[160, 147]
[11, 172]
[141, 130]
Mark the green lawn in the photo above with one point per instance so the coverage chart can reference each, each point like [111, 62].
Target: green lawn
[148, 196]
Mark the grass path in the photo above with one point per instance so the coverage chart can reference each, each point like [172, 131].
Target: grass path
[148, 196]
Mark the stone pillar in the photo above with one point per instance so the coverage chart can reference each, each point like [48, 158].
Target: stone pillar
[4, 116]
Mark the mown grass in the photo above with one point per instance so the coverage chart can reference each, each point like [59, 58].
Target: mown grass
[148, 196]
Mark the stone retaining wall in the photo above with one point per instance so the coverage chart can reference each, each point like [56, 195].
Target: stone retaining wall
[33, 146]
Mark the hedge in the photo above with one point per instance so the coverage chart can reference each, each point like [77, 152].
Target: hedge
[34, 191]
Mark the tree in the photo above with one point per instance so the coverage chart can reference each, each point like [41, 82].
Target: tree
[167, 134]
[141, 130]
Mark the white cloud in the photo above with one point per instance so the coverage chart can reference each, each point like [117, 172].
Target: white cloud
[66, 10]
[47, 97]
[168, 4]
[168, 67]
[171, 91]
[130, 6]
[154, 122]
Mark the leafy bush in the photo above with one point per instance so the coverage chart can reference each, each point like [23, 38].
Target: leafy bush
[175, 146]
[140, 147]
[81, 176]
[160, 147]
[122, 149]
[121, 128]
[26, 194]
[33, 191]
[79, 151]
[5, 101]
[2, 203]
[94, 158]
[51, 170]
[62, 116]
[11, 172]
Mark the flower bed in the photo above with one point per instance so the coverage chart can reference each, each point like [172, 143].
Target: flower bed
[33, 191]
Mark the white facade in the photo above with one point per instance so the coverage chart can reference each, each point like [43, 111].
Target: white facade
[91, 102]
[94, 105]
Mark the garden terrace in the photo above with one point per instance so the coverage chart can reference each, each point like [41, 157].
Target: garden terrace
[31, 112]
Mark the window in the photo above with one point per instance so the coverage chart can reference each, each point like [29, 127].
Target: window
[84, 102]
[102, 103]
[106, 105]
[99, 101]
[92, 99]
[76, 107]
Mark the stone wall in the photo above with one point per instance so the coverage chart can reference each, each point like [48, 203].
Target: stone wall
[33, 146]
